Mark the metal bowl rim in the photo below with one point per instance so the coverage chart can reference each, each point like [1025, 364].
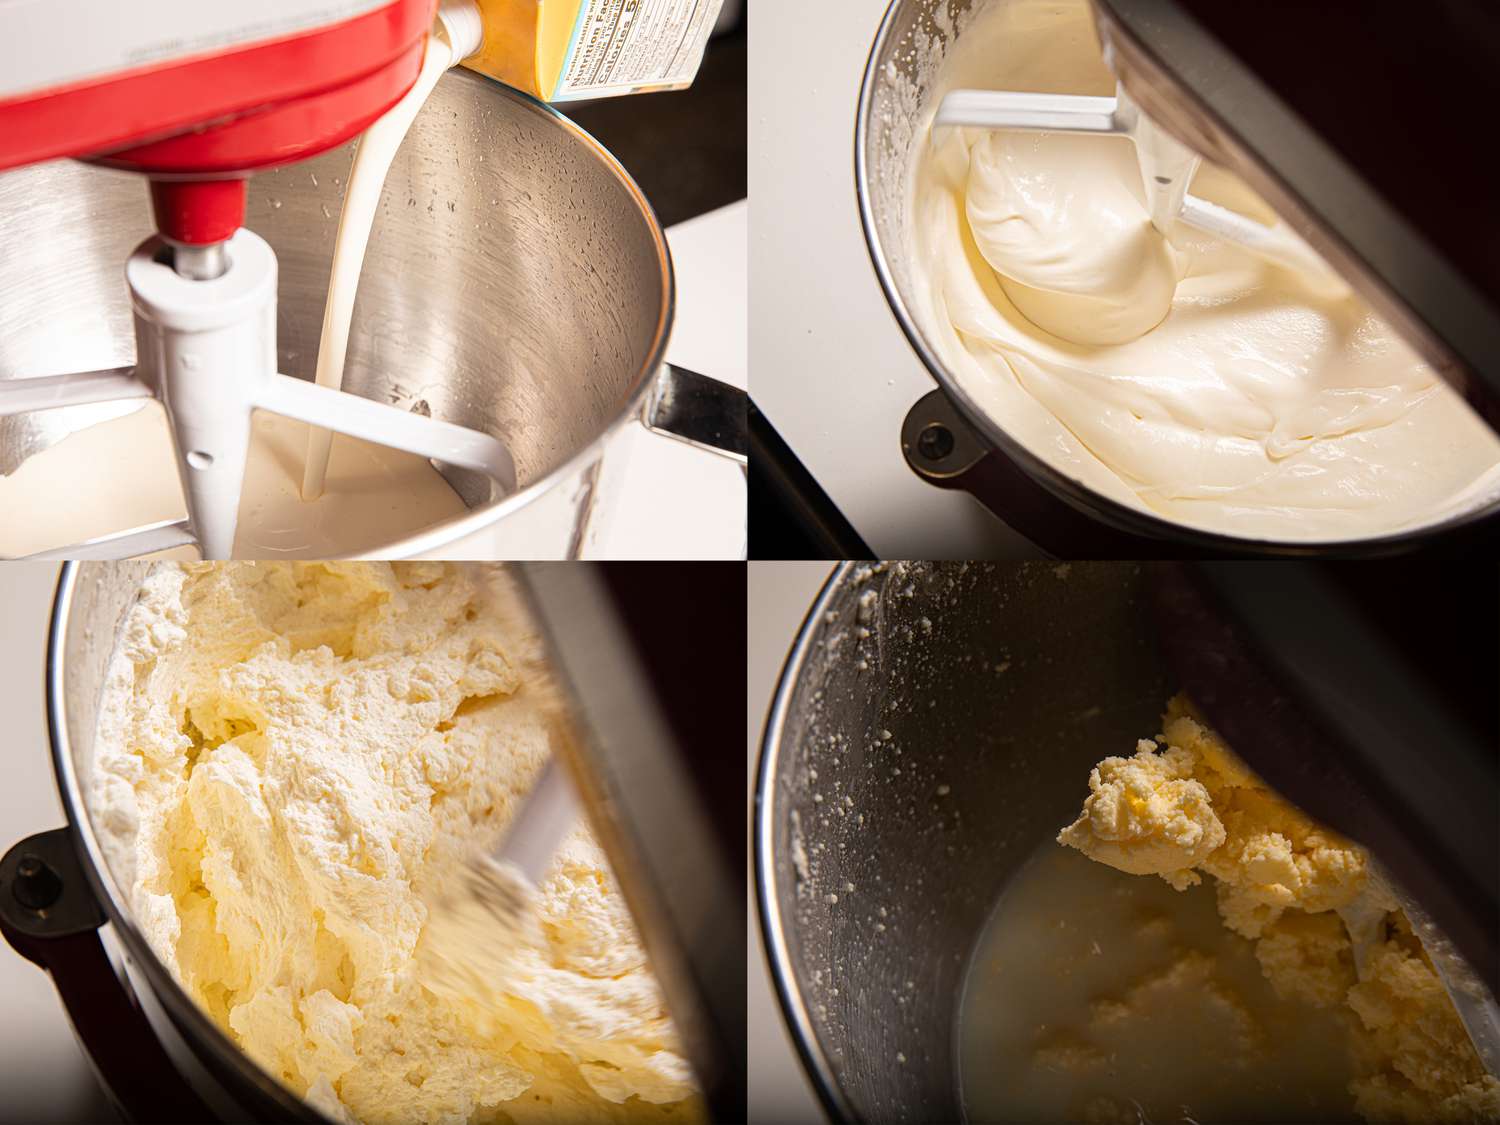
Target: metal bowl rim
[1073, 492]
[815, 1061]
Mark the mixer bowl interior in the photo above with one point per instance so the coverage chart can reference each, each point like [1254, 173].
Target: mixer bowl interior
[516, 281]
[92, 601]
[933, 726]
[895, 105]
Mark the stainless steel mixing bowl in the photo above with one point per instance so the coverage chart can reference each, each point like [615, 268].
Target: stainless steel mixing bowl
[889, 133]
[516, 282]
[933, 725]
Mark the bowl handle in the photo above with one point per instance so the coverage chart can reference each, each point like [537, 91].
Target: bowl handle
[700, 411]
[942, 448]
[49, 915]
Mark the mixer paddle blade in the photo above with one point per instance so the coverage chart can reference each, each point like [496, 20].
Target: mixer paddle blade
[206, 348]
[1009, 109]
[392, 426]
[147, 540]
[78, 388]
[1166, 166]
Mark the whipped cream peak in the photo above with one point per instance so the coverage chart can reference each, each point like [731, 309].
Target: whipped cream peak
[1067, 233]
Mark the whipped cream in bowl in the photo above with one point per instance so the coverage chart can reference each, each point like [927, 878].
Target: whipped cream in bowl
[1170, 384]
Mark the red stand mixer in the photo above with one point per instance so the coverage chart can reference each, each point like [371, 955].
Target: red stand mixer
[197, 98]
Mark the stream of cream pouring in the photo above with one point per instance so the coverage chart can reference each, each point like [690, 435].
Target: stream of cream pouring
[457, 33]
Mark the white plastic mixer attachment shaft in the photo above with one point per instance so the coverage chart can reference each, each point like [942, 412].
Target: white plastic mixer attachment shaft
[1166, 164]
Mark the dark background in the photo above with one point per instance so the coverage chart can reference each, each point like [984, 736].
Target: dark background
[685, 148]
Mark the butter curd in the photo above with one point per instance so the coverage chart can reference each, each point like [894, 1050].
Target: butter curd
[1189, 805]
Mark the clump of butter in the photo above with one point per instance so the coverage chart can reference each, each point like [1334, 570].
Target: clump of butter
[1308, 957]
[1419, 1063]
[292, 760]
[1185, 805]
[1193, 807]
[1147, 815]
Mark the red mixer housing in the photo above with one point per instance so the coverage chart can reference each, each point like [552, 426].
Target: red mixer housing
[199, 124]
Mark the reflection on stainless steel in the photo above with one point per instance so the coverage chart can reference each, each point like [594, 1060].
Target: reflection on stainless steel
[516, 281]
[931, 729]
[701, 412]
[627, 766]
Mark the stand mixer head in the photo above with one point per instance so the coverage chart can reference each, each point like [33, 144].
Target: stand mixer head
[220, 95]
[204, 289]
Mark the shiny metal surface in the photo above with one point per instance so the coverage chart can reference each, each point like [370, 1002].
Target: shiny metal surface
[893, 104]
[1000, 682]
[516, 282]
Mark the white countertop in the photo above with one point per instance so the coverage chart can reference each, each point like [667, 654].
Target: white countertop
[833, 372]
[779, 594]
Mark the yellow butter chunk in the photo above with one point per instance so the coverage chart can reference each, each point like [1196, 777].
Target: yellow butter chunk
[1186, 805]
[292, 762]
[1189, 804]
[1146, 815]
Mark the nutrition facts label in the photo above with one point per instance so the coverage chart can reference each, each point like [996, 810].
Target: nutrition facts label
[622, 45]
